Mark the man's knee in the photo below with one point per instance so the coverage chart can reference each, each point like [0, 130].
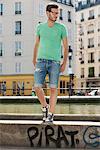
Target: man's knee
[53, 90]
[37, 89]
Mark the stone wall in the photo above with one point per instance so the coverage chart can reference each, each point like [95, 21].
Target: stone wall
[60, 134]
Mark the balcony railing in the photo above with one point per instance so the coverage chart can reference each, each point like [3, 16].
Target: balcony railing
[82, 19]
[90, 46]
[82, 76]
[82, 62]
[1, 53]
[18, 53]
[91, 17]
[98, 30]
[91, 61]
[91, 75]
[92, 31]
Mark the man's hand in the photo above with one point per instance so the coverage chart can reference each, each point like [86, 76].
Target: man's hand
[62, 67]
[34, 62]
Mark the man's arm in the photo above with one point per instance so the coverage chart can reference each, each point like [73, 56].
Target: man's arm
[65, 47]
[35, 50]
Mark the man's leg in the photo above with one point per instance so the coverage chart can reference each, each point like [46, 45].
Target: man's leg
[40, 94]
[53, 99]
[39, 78]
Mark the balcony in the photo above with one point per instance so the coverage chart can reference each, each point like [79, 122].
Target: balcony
[99, 74]
[82, 76]
[69, 20]
[99, 59]
[90, 17]
[91, 75]
[18, 53]
[1, 53]
[98, 44]
[92, 31]
[60, 18]
[82, 19]
[81, 33]
[90, 46]
[1, 13]
[99, 15]
[91, 61]
[98, 30]
[17, 12]
[82, 47]
[82, 62]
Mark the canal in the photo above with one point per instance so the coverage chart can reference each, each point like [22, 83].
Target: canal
[29, 108]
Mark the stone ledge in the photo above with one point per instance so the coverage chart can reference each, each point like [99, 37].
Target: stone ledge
[61, 117]
[60, 99]
[60, 134]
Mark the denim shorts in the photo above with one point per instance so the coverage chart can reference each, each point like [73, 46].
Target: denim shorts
[44, 67]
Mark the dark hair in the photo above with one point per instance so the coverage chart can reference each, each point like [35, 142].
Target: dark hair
[50, 6]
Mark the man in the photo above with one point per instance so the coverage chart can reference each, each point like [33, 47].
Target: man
[47, 57]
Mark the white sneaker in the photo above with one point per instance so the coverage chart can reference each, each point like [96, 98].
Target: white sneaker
[49, 119]
[45, 111]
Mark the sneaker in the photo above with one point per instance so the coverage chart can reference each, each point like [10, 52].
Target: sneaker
[45, 111]
[50, 117]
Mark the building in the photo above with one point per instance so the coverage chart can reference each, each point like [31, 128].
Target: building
[88, 43]
[18, 21]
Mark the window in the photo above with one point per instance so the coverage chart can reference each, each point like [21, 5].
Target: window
[61, 16]
[98, 26]
[90, 57]
[81, 30]
[1, 49]
[1, 9]
[82, 17]
[91, 14]
[18, 67]
[18, 8]
[92, 1]
[99, 12]
[82, 72]
[62, 87]
[90, 29]
[18, 49]
[84, 2]
[99, 57]
[0, 67]
[81, 46]
[0, 28]
[90, 42]
[18, 27]
[69, 16]
[99, 71]
[41, 9]
[99, 41]
[91, 72]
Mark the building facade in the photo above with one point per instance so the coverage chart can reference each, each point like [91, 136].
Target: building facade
[18, 21]
[88, 43]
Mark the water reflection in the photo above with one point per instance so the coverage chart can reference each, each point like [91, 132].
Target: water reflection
[60, 108]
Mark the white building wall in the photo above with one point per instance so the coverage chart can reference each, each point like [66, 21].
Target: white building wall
[87, 50]
[29, 17]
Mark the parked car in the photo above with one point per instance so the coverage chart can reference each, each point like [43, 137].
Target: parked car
[94, 92]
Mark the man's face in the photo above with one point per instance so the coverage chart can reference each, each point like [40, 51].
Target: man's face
[53, 14]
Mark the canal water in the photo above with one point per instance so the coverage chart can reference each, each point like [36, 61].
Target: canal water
[60, 108]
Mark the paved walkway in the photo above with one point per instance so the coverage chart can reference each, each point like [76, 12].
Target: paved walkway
[12, 148]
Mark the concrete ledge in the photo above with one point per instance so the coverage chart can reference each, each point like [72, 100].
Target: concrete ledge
[60, 99]
[60, 134]
[57, 117]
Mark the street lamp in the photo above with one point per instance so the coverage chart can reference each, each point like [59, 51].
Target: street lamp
[71, 75]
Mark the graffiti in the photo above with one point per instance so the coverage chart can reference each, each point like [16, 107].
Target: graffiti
[91, 136]
[57, 137]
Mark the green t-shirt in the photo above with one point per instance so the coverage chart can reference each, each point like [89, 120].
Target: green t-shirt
[50, 41]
